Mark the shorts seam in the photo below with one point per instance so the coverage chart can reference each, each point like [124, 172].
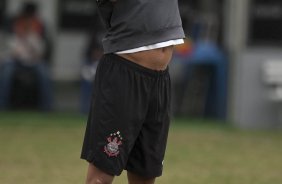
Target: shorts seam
[144, 174]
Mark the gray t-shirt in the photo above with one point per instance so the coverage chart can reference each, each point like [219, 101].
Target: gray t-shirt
[135, 23]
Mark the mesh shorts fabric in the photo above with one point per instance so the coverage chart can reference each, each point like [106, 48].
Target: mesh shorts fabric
[128, 122]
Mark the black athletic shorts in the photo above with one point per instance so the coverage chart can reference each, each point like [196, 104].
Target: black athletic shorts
[128, 122]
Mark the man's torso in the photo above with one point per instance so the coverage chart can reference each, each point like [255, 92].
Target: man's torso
[156, 59]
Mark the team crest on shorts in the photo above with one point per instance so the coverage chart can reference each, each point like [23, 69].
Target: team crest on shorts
[114, 141]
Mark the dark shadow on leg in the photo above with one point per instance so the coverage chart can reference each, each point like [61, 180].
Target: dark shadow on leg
[135, 179]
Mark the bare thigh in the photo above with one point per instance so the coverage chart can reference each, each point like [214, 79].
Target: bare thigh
[96, 176]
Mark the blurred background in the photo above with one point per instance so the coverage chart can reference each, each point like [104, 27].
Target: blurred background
[226, 84]
[228, 69]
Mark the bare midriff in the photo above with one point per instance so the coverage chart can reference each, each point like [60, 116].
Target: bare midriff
[156, 59]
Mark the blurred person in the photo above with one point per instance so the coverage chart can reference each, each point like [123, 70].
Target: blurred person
[130, 111]
[28, 49]
[93, 54]
[178, 72]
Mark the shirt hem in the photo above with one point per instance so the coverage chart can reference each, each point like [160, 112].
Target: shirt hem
[139, 40]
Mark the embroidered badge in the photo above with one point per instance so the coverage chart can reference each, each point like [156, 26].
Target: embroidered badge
[114, 141]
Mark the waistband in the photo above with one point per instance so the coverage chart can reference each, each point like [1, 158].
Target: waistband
[147, 71]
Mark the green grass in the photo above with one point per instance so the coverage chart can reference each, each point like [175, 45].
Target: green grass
[38, 148]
